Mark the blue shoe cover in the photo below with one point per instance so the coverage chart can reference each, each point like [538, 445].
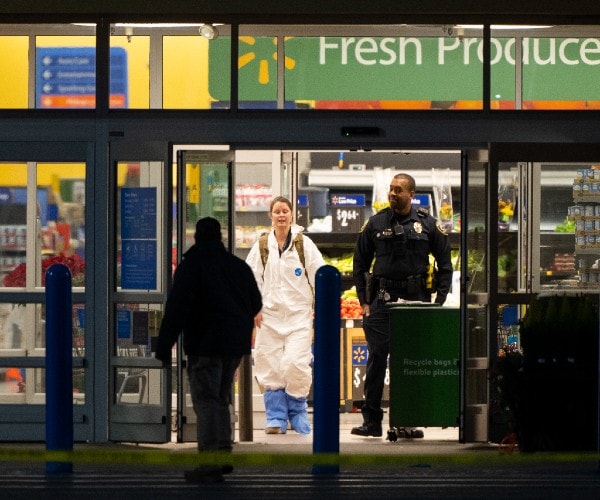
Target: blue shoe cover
[276, 409]
[298, 415]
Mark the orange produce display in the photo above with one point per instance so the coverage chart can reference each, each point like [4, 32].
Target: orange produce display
[350, 308]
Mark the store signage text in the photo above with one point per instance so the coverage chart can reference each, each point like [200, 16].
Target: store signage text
[66, 77]
[407, 68]
[138, 238]
[368, 51]
[346, 213]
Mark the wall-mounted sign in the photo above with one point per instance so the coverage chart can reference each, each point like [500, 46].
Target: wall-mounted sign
[138, 238]
[415, 68]
[346, 212]
[123, 324]
[65, 77]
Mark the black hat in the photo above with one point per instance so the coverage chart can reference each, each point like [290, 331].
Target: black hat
[208, 229]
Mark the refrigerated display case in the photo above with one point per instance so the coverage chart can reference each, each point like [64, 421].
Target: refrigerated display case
[358, 175]
[255, 185]
[553, 231]
[585, 213]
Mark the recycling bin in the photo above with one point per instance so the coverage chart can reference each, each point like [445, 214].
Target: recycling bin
[424, 370]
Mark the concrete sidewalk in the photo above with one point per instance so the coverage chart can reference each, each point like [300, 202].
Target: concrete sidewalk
[283, 466]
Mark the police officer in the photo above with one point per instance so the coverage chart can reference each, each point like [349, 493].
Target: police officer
[400, 239]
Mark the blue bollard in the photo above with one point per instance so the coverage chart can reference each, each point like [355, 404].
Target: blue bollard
[326, 387]
[59, 366]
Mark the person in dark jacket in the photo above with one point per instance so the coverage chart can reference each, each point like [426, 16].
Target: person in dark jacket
[215, 302]
[399, 239]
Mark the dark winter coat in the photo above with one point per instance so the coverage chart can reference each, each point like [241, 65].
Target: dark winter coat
[213, 301]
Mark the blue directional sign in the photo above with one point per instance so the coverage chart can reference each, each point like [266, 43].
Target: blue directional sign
[65, 77]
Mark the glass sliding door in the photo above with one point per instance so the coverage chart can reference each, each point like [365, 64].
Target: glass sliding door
[43, 220]
[204, 189]
[139, 398]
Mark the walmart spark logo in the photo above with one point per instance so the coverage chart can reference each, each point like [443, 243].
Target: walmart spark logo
[260, 49]
[359, 355]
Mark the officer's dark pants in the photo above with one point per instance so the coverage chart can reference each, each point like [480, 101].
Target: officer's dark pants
[377, 333]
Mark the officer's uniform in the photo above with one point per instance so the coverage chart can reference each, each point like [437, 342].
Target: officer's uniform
[400, 246]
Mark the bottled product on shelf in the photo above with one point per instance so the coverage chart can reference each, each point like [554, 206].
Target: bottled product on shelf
[586, 214]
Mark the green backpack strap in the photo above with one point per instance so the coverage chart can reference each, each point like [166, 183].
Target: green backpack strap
[264, 249]
[299, 244]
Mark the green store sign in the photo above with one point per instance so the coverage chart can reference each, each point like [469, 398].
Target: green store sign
[394, 68]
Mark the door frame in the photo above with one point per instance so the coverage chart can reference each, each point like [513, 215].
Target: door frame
[27, 422]
[523, 153]
[185, 415]
[136, 422]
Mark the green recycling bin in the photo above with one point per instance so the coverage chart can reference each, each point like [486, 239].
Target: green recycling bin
[424, 371]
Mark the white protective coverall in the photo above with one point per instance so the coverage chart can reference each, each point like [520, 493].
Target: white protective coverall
[282, 347]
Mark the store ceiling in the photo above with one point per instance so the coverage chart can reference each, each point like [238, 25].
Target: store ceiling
[379, 30]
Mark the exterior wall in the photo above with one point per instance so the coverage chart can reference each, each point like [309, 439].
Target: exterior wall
[282, 129]
[276, 129]
[306, 8]
[296, 11]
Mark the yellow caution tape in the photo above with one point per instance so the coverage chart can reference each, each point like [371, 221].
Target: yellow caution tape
[183, 458]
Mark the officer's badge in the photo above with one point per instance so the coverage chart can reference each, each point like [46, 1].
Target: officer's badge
[440, 228]
[418, 227]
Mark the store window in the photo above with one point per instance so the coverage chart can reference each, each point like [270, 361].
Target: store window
[13, 62]
[136, 329]
[168, 66]
[140, 218]
[560, 70]
[548, 223]
[42, 222]
[65, 72]
[188, 73]
[188, 66]
[129, 69]
[258, 70]
[360, 67]
[48, 66]
[545, 67]
[140, 221]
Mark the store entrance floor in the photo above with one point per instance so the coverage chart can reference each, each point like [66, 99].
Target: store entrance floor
[437, 441]
[347, 421]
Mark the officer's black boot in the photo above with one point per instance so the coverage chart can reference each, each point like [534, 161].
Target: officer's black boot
[371, 424]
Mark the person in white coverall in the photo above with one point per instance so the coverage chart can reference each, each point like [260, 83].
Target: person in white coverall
[282, 346]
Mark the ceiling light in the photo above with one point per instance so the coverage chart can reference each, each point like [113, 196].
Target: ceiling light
[208, 31]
